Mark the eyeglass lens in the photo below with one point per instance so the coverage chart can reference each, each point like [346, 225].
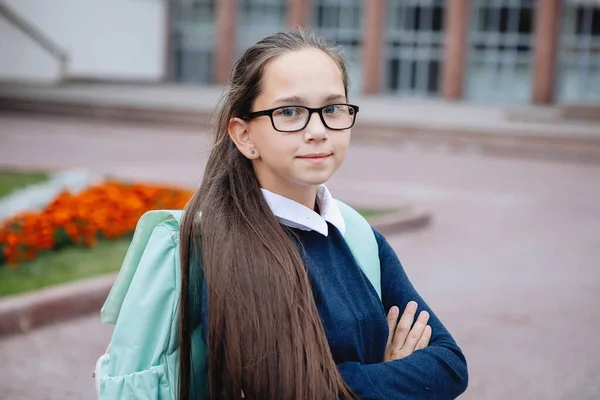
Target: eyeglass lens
[336, 116]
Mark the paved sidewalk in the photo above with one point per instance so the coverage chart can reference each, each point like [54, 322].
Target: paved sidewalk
[54, 362]
[510, 263]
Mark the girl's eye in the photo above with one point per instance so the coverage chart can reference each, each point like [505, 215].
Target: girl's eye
[332, 109]
[288, 112]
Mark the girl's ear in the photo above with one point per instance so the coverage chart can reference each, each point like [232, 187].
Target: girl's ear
[238, 132]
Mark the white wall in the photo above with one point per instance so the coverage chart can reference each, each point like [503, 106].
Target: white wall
[21, 59]
[103, 39]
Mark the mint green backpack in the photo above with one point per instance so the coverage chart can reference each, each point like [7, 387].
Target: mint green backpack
[142, 361]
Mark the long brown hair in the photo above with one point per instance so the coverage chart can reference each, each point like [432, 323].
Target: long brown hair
[264, 333]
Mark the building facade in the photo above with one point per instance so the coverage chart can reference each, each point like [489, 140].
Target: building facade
[59, 41]
[509, 51]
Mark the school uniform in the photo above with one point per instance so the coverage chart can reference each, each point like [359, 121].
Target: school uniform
[354, 317]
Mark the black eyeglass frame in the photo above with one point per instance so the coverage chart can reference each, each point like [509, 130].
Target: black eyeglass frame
[311, 110]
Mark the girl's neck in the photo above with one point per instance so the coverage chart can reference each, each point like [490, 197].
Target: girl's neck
[305, 195]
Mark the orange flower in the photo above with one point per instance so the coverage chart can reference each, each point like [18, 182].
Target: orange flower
[12, 239]
[110, 210]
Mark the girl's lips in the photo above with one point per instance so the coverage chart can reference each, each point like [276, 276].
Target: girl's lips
[320, 155]
[315, 158]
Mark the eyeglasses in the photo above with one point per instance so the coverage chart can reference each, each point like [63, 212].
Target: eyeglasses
[337, 117]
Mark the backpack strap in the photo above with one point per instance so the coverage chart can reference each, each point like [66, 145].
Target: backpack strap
[363, 244]
[146, 224]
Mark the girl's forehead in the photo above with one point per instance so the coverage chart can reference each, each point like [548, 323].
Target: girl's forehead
[309, 74]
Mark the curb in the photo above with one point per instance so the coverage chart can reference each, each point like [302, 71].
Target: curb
[500, 143]
[173, 116]
[22, 313]
[25, 312]
[402, 222]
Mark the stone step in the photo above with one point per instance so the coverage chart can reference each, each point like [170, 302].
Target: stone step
[536, 140]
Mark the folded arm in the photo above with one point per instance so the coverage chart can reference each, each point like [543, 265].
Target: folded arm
[436, 372]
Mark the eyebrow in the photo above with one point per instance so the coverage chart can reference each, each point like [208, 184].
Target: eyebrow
[300, 100]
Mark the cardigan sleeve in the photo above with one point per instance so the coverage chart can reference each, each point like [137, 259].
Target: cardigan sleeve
[436, 372]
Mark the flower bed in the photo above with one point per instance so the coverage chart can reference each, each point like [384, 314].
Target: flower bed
[22, 191]
[107, 211]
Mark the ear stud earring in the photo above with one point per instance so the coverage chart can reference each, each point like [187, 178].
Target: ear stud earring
[253, 152]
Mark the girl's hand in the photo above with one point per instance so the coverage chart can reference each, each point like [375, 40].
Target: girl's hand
[402, 340]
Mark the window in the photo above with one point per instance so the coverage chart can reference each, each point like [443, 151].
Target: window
[341, 21]
[500, 50]
[414, 47]
[193, 39]
[579, 56]
[258, 19]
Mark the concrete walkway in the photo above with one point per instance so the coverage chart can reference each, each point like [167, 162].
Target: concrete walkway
[510, 264]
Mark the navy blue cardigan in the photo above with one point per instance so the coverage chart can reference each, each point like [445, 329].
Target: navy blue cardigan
[355, 323]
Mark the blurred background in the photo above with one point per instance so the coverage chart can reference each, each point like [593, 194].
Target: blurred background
[542, 52]
[479, 126]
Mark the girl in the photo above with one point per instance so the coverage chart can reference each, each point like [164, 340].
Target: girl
[285, 310]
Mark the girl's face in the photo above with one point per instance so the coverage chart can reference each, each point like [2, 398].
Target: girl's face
[286, 162]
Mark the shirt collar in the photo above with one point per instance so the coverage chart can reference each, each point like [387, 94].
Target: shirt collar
[296, 215]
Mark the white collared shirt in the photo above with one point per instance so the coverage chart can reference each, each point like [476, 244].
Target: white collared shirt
[296, 215]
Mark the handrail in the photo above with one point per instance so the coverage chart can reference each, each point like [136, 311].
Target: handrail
[36, 34]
